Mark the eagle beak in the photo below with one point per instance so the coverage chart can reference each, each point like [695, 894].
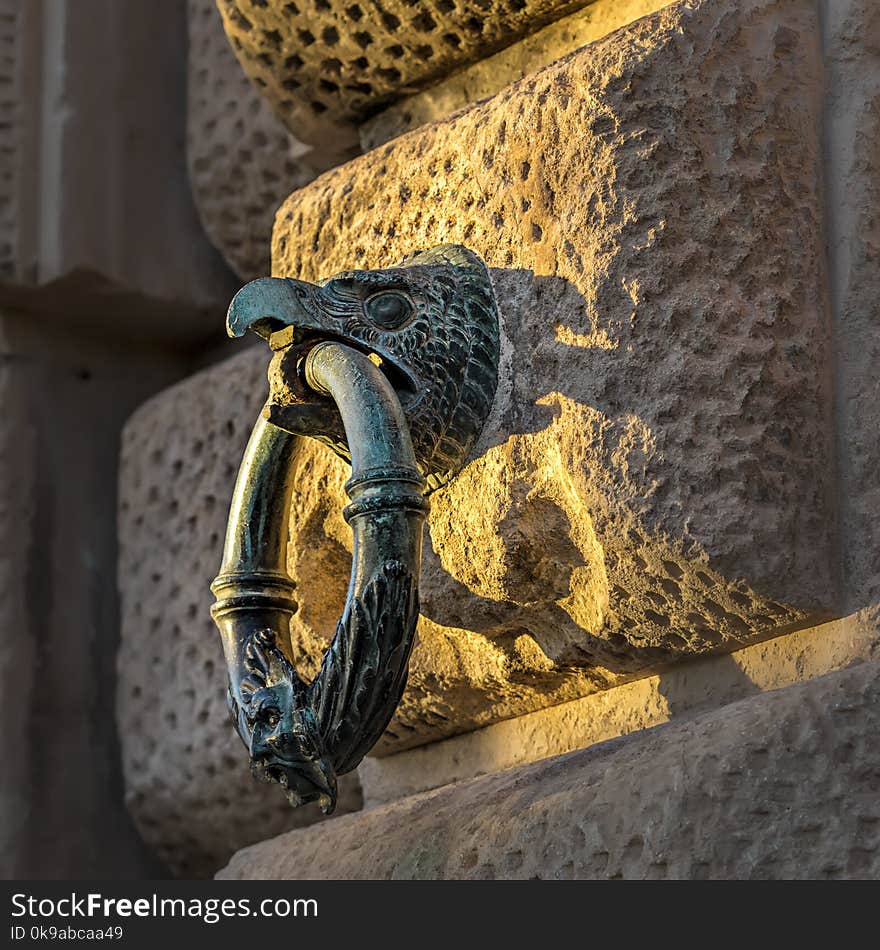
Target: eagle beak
[269, 304]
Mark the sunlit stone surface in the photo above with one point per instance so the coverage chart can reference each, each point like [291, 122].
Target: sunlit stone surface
[658, 479]
[488, 76]
[655, 481]
[324, 66]
[782, 786]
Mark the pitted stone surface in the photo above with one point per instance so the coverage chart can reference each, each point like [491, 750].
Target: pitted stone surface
[654, 480]
[490, 75]
[180, 456]
[781, 785]
[324, 64]
[685, 689]
[242, 161]
[10, 131]
[188, 785]
[852, 49]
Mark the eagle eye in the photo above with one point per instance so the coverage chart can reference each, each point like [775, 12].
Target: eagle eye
[388, 309]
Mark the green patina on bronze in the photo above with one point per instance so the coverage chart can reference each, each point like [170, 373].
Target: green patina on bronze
[396, 370]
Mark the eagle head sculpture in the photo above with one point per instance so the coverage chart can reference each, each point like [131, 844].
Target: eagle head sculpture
[430, 323]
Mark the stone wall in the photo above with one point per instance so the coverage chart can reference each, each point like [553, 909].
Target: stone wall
[680, 691]
[674, 493]
[489, 75]
[325, 67]
[779, 786]
[103, 219]
[65, 396]
[656, 478]
[242, 160]
[109, 291]
[851, 41]
[9, 111]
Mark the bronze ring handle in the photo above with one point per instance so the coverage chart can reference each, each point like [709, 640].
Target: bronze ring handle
[304, 736]
[396, 370]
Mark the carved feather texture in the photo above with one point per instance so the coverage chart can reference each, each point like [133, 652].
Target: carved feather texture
[363, 673]
[450, 347]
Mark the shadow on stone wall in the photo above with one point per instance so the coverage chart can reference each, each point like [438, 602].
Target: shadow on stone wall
[609, 524]
[728, 683]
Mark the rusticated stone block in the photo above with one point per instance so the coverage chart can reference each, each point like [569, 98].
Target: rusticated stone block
[852, 49]
[656, 478]
[654, 481]
[780, 785]
[242, 161]
[490, 75]
[187, 780]
[685, 689]
[325, 66]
